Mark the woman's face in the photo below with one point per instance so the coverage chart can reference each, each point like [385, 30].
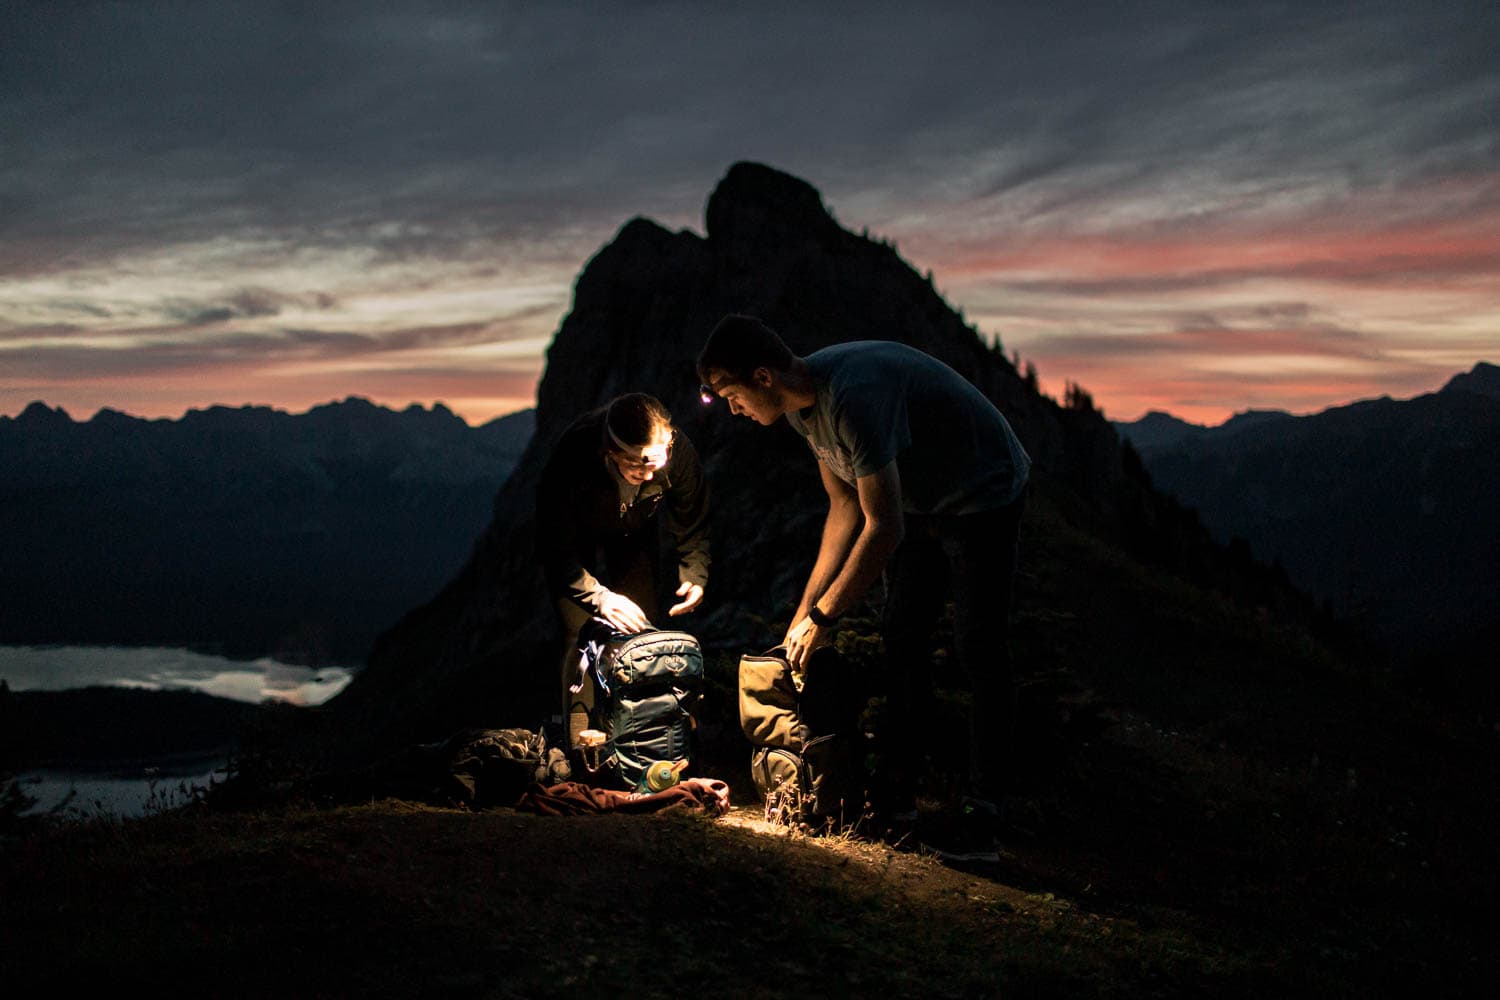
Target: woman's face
[638, 464]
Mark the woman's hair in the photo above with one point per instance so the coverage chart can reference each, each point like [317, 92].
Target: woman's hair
[634, 419]
[740, 344]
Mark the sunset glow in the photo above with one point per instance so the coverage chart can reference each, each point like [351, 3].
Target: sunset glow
[1242, 212]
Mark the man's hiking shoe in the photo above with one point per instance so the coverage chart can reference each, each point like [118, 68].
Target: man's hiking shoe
[894, 829]
[968, 837]
[1013, 815]
[974, 807]
[1024, 817]
[970, 849]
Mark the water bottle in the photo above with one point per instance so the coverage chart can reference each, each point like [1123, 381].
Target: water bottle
[591, 745]
[659, 776]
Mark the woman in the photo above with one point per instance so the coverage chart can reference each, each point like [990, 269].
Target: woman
[618, 476]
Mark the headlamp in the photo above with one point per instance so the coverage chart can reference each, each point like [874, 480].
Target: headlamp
[655, 456]
[705, 393]
[648, 456]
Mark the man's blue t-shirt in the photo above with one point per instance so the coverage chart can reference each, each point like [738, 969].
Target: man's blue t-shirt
[880, 401]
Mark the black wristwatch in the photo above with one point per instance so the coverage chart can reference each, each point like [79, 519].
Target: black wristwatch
[819, 618]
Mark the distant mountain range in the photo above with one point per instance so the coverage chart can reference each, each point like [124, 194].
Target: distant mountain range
[1384, 509]
[246, 531]
[1158, 431]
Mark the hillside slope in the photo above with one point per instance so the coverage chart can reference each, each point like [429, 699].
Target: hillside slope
[1224, 809]
[1227, 812]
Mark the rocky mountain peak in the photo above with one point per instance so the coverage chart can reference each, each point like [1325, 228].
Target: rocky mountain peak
[1483, 379]
[756, 204]
[38, 414]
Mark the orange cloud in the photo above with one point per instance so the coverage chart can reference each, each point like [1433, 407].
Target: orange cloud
[477, 396]
[1439, 253]
[1381, 295]
[1442, 230]
[1204, 377]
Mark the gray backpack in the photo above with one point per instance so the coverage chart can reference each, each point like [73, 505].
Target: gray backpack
[647, 688]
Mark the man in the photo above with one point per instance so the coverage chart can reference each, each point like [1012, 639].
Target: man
[922, 473]
[618, 475]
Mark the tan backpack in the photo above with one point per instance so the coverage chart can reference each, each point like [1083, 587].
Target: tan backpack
[804, 737]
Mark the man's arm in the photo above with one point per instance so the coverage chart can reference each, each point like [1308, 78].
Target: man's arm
[881, 528]
[840, 528]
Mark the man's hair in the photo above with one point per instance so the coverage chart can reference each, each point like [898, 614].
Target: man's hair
[740, 344]
[634, 418]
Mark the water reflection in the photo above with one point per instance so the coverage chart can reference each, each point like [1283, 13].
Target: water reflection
[120, 791]
[141, 787]
[58, 668]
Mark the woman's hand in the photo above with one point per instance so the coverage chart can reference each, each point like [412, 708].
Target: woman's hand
[692, 596]
[623, 613]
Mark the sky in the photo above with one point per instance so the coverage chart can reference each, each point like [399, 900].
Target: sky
[1197, 207]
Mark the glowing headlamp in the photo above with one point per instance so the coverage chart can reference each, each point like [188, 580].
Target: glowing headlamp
[655, 456]
[709, 391]
[650, 456]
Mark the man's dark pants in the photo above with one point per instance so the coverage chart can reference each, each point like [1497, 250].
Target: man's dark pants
[975, 556]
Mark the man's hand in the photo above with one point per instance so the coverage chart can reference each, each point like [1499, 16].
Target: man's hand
[802, 638]
[692, 596]
[623, 613]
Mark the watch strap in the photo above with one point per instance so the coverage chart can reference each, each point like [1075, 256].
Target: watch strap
[819, 618]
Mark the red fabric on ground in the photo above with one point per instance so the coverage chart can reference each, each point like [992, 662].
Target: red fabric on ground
[571, 798]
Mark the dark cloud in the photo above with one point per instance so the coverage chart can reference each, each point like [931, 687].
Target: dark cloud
[1380, 270]
[164, 349]
[1220, 336]
[207, 317]
[258, 302]
[1281, 313]
[49, 331]
[145, 355]
[247, 303]
[139, 121]
[516, 138]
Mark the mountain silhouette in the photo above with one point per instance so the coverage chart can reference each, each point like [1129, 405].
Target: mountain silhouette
[1383, 509]
[643, 305]
[1482, 380]
[247, 531]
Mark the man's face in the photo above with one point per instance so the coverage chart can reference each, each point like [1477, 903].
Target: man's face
[756, 399]
[639, 465]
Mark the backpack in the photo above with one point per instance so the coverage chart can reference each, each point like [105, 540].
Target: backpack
[493, 767]
[802, 730]
[647, 688]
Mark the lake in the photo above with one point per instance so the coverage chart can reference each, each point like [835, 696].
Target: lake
[59, 668]
[136, 787]
[122, 790]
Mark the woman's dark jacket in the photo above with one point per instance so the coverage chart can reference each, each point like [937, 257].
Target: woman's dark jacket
[578, 513]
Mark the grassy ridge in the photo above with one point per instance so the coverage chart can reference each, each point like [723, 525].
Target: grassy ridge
[392, 899]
